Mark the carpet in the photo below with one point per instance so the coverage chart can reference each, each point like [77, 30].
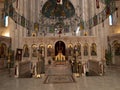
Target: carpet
[59, 79]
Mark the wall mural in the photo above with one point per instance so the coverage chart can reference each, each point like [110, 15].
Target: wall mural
[34, 50]
[85, 49]
[51, 9]
[18, 54]
[70, 50]
[26, 52]
[78, 49]
[42, 50]
[93, 49]
[50, 50]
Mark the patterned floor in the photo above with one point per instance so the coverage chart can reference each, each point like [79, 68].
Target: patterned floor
[110, 81]
[60, 73]
[54, 79]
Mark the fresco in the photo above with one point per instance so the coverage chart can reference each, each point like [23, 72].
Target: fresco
[53, 10]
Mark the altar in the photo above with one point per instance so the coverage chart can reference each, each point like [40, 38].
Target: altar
[60, 59]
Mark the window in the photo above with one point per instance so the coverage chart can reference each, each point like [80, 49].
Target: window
[111, 20]
[6, 21]
[78, 31]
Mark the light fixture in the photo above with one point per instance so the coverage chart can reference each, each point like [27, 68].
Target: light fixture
[7, 34]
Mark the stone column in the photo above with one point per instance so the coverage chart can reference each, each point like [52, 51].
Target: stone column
[93, 12]
[85, 14]
[25, 15]
[89, 50]
[82, 50]
[31, 14]
[46, 54]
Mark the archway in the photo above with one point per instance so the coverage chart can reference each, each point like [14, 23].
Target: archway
[59, 46]
[3, 50]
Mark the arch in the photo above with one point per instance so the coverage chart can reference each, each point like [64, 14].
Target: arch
[49, 50]
[70, 45]
[85, 47]
[41, 49]
[60, 47]
[3, 50]
[79, 49]
[25, 51]
[34, 50]
[49, 46]
[70, 49]
[52, 10]
[116, 47]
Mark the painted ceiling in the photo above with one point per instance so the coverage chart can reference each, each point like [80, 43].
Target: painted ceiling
[51, 9]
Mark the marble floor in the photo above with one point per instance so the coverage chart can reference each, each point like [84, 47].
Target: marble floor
[110, 81]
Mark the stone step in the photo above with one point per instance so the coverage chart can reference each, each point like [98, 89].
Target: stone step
[58, 70]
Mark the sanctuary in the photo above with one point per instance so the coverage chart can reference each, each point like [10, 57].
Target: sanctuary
[64, 37]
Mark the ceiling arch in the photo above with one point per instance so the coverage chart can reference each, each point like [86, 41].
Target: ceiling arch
[53, 10]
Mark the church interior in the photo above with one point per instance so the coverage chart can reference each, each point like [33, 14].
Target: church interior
[59, 44]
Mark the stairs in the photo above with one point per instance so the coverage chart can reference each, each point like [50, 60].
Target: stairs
[58, 70]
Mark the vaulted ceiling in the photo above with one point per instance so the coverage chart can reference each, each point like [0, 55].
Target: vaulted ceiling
[51, 9]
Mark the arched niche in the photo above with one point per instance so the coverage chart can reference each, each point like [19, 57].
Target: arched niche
[41, 50]
[26, 52]
[60, 47]
[116, 48]
[49, 50]
[34, 50]
[85, 48]
[93, 49]
[78, 49]
[51, 9]
[70, 49]
[3, 50]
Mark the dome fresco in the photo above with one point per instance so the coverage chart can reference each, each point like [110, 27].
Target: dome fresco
[53, 10]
